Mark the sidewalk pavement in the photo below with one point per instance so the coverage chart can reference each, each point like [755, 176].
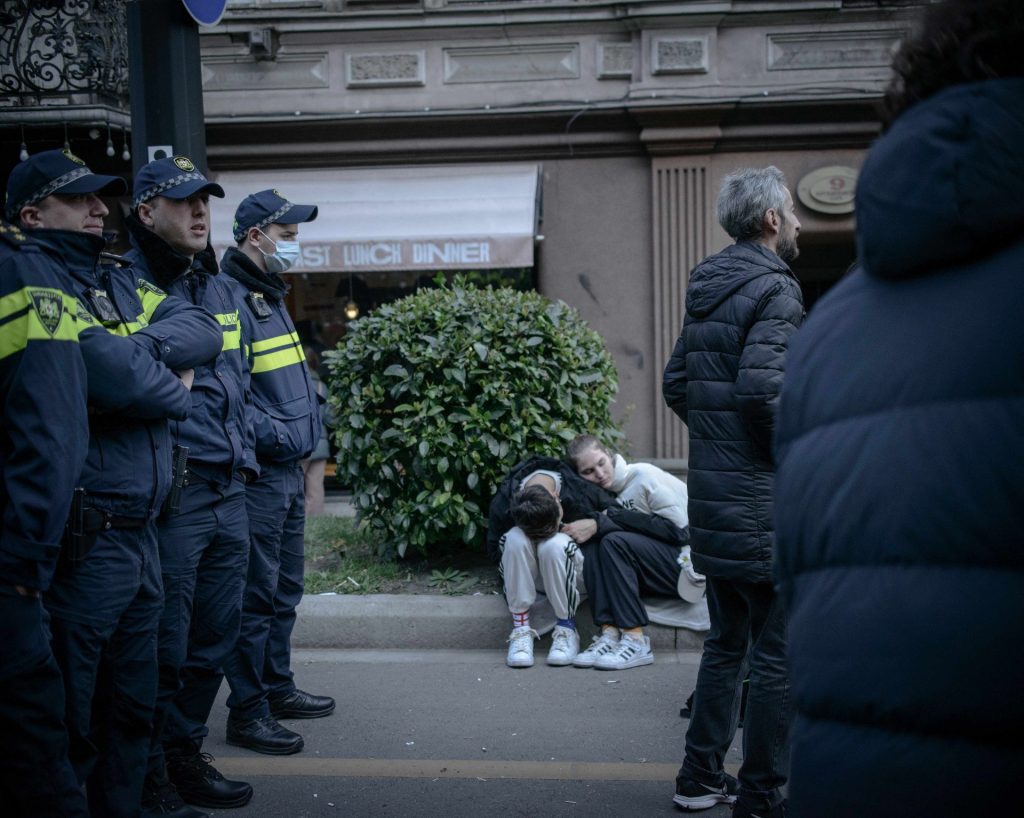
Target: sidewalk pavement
[419, 621]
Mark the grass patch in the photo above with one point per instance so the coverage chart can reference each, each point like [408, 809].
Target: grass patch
[343, 557]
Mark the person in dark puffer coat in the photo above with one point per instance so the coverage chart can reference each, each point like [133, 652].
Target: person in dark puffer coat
[901, 454]
[723, 380]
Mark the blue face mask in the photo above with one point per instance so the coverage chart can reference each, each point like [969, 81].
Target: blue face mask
[285, 254]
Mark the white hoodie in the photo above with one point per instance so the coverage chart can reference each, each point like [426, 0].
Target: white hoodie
[649, 489]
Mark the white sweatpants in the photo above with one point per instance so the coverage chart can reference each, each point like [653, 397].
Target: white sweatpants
[554, 566]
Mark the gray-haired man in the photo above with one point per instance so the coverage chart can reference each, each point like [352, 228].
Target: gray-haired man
[723, 380]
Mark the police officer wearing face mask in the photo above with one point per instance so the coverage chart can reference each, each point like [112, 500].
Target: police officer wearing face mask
[287, 425]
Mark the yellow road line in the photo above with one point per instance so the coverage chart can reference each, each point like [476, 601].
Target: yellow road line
[238, 766]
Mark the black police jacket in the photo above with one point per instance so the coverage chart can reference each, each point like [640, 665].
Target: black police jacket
[218, 431]
[43, 421]
[133, 338]
[286, 406]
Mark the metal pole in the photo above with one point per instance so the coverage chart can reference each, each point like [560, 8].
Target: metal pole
[165, 79]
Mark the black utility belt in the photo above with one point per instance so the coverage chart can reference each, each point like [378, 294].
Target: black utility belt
[94, 519]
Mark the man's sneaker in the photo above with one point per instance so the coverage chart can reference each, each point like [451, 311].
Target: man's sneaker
[199, 782]
[744, 810]
[630, 652]
[565, 644]
[604, 642]
[520, 647]
[692, 795]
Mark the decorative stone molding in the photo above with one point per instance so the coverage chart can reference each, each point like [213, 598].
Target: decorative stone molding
[378, 70]
[679, 55]
[543, 61]
[836, 49]
[615, 61]
[235, 73]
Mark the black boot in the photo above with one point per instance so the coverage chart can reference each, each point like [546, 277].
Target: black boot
[160, 799]
[263, 735]
[198, 781]
[300, 705]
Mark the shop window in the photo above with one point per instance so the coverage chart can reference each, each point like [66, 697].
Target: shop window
[324, 304]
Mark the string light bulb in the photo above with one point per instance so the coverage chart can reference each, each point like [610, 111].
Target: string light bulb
[23, 153]
[110, 143]
[351, 308]
[126, 154]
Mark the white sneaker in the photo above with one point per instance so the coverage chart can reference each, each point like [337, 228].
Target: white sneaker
[604, 642]
[520, 647]
[565, 644]
[630, 652]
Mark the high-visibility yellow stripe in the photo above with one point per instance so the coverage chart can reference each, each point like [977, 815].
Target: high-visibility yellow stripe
[36, 314]
[232, 333]
[289, 339]
[269, 361]
[150, 297]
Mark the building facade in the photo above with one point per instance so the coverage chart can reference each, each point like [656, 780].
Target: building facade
[576, 147]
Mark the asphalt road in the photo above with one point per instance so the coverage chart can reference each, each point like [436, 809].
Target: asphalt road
[456, 733]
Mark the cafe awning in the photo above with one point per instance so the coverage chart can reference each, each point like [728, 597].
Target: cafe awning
[456, 217]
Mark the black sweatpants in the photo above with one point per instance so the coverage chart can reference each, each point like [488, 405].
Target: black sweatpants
[622, 566]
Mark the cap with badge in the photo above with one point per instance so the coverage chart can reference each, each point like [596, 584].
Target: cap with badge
[174, 177]
[57, 171]
[269, 207]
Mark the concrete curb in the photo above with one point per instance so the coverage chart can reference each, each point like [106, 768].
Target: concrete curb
[416, 622]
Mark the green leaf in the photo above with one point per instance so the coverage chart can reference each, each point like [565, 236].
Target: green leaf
[424, 447]
[396, 371]
[481, 351]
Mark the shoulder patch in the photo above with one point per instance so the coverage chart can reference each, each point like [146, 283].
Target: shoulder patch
[48, 305]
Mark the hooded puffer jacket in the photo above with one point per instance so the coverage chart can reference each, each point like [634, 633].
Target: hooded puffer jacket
[900, 480]
[723, 381]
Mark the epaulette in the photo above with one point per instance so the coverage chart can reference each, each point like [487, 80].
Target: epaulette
[11, 234]
[120, 261]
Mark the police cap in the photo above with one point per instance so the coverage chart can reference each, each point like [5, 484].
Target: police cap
[56, 171]
[269, 207]
[174, 177]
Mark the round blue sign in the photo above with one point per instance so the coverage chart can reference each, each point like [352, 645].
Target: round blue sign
[206, 12]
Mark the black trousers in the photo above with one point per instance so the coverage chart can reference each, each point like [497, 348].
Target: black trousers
[36, 778]
[622, 566]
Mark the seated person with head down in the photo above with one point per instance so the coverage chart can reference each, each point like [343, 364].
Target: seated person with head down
[523, 536]
[639, 545]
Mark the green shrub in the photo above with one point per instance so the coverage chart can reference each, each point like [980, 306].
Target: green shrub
[439, 394]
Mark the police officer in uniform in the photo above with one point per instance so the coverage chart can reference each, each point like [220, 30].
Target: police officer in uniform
[204, 547]
[286, 416]
[41, 454]
[106, 597]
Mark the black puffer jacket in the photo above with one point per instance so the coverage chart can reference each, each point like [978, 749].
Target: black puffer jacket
[579, 498]
[900, 484]
[723, 380]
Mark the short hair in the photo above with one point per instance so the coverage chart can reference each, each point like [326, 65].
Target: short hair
[536, 512]
[745, 196]
[956, 41]
[579, 444]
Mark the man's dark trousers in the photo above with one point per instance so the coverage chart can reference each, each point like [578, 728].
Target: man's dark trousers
[36, 780]
[260, 665]
[203, 556]
[742, 614]
[105, 613]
